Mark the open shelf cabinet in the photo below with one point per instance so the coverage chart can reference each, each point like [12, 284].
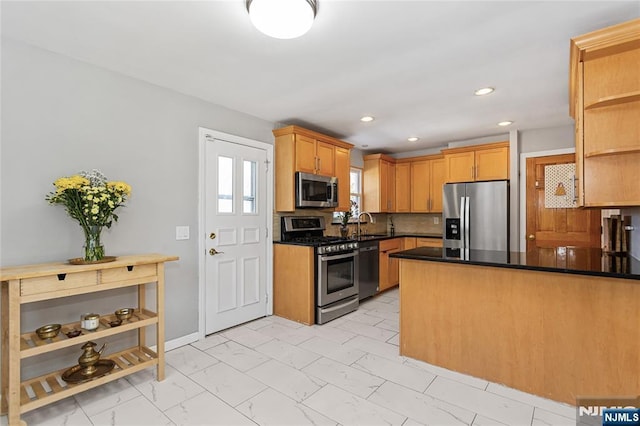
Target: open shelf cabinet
[31, 283]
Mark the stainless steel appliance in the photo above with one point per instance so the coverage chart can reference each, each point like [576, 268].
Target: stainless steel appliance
[316, 191]
[369, 270]
[336, 265]
[475, 216]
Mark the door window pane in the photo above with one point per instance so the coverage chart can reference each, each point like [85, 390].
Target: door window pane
[249, 187]
[225, 185]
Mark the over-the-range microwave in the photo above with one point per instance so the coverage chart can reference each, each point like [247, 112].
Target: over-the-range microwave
[316, 191]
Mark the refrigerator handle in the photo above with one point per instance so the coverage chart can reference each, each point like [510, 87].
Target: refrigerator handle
[466, 223]
[463, 224]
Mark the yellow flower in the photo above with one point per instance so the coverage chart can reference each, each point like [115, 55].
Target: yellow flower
[72, 182]
[118, 186]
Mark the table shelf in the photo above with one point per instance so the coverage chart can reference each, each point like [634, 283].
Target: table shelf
[43, 390]
[32, 345]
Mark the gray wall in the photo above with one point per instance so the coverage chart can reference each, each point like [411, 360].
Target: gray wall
[547, 139]
[60, 116]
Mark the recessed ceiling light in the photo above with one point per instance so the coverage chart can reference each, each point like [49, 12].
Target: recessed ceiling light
[366, 119]
[484, 91]
[505, 123]
[413, 139]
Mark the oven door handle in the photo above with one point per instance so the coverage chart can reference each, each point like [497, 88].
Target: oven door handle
[338, 256]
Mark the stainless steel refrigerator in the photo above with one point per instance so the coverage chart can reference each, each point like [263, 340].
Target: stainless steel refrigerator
[475, 215]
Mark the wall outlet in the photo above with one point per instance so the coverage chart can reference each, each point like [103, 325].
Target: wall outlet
[182, 232]
[436, 220]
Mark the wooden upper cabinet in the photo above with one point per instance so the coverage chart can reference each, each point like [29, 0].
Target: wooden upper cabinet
[460, 166]
[436, 182]
[325, 152]
[305, 154]
[492, 163]
[314, 156]
[343, 169]
[477, 162]
[420, 186]
[408, 185]
[379, 184]
[604, 90]
[403, 187]
[302, 150]
[427, 178]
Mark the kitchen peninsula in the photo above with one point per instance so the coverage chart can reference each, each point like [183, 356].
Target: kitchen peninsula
[559, 325]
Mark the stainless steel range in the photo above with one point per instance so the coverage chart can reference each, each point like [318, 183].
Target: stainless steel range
[336, 265]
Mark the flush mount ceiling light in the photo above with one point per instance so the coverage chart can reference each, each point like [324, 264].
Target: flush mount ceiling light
[413, 139]
[283, 19]
[484, 91]
[505, 123]
[367, 118]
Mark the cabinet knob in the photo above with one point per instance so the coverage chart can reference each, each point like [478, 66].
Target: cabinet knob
[531, 237]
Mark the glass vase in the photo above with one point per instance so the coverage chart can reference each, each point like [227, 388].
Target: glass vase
[93, 248]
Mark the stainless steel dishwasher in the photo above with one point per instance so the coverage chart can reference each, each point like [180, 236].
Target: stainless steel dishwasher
[369, 268]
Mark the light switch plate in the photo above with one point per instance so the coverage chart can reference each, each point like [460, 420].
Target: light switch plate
[182, 232]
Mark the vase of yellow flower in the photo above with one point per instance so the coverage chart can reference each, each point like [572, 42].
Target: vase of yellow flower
[90, 199]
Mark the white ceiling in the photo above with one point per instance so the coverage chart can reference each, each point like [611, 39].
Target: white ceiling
[412, 64]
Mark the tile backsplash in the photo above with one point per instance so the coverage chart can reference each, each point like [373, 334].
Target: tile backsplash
[405, 223]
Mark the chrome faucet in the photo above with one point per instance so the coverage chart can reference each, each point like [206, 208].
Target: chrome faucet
[371, 219]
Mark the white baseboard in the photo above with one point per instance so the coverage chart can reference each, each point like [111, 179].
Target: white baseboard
[176, 343]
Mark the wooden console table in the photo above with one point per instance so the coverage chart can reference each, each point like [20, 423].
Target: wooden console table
[33, 283]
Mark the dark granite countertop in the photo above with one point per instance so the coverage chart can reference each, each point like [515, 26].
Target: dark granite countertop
[374, 237]
[570, 260]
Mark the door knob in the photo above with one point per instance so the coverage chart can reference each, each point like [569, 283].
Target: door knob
[213, 252]
[531, 237]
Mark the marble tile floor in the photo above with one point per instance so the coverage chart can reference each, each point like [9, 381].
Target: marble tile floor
[277, 372]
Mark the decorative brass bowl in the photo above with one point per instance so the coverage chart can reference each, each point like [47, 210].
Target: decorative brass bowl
[124, 313]
[48, 331]
[73, 333]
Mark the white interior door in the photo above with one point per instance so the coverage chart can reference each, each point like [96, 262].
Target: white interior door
[236, 234]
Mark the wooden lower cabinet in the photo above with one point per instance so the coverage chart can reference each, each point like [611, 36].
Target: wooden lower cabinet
[294, 283]
[389, 268]
[552, 334]
[428, 242]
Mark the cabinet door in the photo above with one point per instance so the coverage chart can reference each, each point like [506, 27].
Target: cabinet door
[436, 182]
[409, 243]
[389, 268]
[326, 159]
[391, 188]
[492, 164]
[342, 169]
[420, 186]
[428, 242]
[403, 187]
[305, 154]
[460, 166]
[383, 185]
